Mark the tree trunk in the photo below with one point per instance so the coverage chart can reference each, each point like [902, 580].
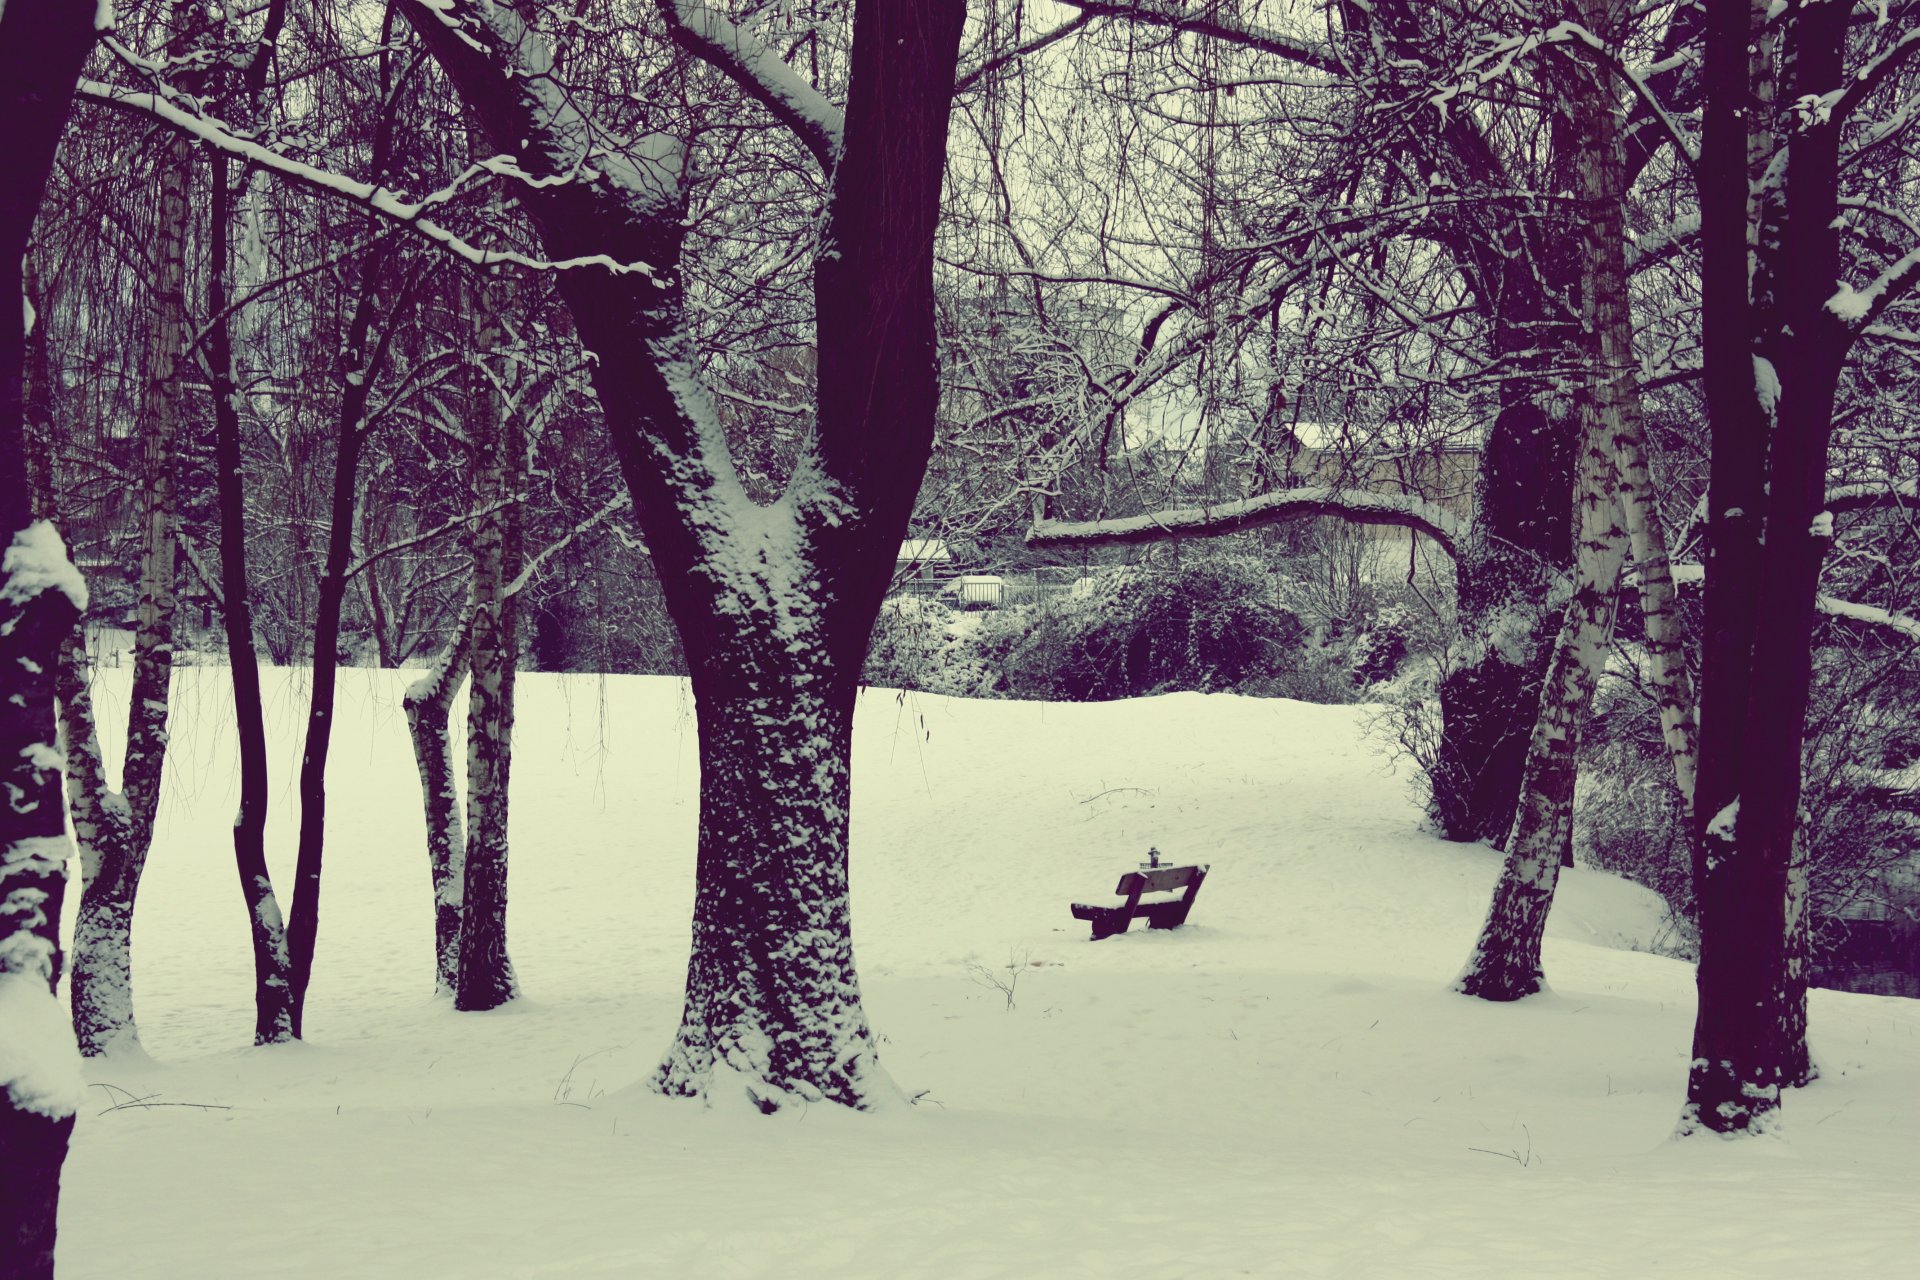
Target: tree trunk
[484, 972]
[1522, 542]
[40, 600]
[102, 991]
[1761, 592]
[429, 706]
[272, 1005]
[303, 925]
[1505, 964]
[42, 44]
[775, 603]
[773, 1002]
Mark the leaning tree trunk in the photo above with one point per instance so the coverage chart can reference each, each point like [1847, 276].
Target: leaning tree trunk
[484, 976]
[1505, 963]
[272, 1005]
[103, 932]
[429, 706]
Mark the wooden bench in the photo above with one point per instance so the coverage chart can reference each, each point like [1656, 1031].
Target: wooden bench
[1163, 895]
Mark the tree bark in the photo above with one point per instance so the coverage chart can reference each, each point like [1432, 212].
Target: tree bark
[266, 928]
[1748, 1034]
[103, 933]
[1505, 963]
[40, 601]
[361, 364]
[774, 604]
[42, 44]
[484, 977]
[429, 706]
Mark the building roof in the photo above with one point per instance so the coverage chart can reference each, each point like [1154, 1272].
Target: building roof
[924, 551]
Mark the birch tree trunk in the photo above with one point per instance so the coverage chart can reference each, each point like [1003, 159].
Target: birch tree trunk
[484, 976]
[103, 933]
[429, 705]
[1505, 963]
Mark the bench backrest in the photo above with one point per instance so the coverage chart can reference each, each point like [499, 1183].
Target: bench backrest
[1158, 880]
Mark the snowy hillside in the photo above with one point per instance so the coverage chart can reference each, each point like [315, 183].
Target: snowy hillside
[1284, 1087]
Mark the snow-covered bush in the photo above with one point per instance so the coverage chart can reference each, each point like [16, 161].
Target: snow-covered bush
[1210, 625]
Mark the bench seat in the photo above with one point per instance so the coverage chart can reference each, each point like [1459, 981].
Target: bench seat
[1164, 895]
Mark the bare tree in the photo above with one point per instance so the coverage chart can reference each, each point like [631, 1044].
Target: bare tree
[775, 603]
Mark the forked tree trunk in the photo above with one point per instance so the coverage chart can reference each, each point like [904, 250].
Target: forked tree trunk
[484, 976]
[103, 933]
[266, 927]
[361, 364]
[429, 705]
[775, 604]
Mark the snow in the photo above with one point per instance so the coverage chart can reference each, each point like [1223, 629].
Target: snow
[1283, 1086]
[39, 1063]
[1766, 381]
[37, 561]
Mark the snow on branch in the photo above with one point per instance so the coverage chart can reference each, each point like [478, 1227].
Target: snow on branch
[1868, 79]
[1874, 494]
[611, 507]
[1899, 623]
[1859, 308]
[709, 36]
[1389, 509]
[1637, 78]
[378, 199]
[37, 561]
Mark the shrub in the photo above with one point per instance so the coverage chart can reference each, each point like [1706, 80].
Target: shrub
[1212, 625]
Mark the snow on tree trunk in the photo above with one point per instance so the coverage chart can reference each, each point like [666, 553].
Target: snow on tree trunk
[429, 705]
[272, 1008]
[1797, 1066]
[42, 44]
[773, 1005]
[1749, 1030]
[484, 976]
[1505, 964]
[783, 594]
[1659, 602]
[103, 934]
[41, 597]
[101, 982]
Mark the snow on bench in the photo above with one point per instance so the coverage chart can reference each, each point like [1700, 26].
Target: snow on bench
[1163, 895]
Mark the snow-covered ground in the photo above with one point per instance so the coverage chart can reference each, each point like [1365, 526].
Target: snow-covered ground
[1284, 1087]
